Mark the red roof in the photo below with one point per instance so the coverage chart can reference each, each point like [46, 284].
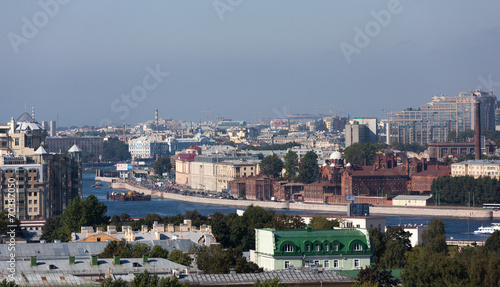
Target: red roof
[194, 147]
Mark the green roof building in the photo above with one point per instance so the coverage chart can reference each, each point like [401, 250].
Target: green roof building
[333, 249]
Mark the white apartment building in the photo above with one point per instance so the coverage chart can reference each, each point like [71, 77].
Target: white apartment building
[477, 168]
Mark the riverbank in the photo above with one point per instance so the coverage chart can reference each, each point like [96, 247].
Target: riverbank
[324, 208]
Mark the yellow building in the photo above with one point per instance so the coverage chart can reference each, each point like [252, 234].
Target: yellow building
[477, 168]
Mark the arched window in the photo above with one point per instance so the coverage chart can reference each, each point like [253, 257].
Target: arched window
[287, 248]
[357, 247]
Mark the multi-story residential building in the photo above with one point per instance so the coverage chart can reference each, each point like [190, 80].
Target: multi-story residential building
[337, 249]
[432, 122]
[361, 130]
[146, 148]
[477, 168]
[88, 144]
[213, 173]
[34, 183]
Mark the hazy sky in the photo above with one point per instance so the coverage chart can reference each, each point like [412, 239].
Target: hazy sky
[85, 59]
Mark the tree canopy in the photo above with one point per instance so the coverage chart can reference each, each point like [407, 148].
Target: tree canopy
[162, 165]
[308, 168]
[271, 165]
[115, 150]
[291, 165]
[89, 212]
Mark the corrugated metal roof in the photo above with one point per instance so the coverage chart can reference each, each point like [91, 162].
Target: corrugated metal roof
[412, 197]
[83, 266]
[285, 277]
[81, 249]
[50, 279]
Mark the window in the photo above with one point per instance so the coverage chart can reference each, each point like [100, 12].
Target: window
[287, 264]
[326, 247]
[317, 248]
[288, 248]
[35, 201]
[16, 142]
[336, 263]
[357, 247]
[316, 262]
[357, 264]
[29, 209]
[308, 248]
[336, 247]
[35, 209]
[326, 263]
[29, 201]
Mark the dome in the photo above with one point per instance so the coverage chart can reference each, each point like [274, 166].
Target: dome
[348, 165]
[324, 164]
[336, 155]
[332, 165]
[74, 148]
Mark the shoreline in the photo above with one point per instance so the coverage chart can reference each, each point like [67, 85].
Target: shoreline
[476, 213]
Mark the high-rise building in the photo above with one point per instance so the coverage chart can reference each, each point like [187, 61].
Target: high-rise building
[33, 183]
[52, 128]
[362, 130]
[434, 121]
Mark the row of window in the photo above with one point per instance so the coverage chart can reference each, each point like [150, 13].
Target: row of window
[335, 263]
[317, 247]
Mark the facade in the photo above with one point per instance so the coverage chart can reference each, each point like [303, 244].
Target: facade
[337, 249]
[443, 149]
[432, 122]
[36, 184]
[89, 144]
[477, 168]
[212, 173]
[145, 148]
[43, 189]
[361, 130]
[411, 200]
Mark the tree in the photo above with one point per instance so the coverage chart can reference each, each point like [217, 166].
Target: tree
[268, 283]
[215, 260]
[5, 221]
[109, 282]
[162, 165]
[7, 283]
[375, 277]
[308, 168]
[434, 238]
[180, 257]
[121, 248]
[493, 242]
[357, 153]
[378, 244]
[271, 165]
[321, 222]
[291, 165]
[158, 252]
[397, 243]
[115, 150]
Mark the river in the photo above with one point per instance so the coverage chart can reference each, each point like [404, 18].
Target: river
[456, 228]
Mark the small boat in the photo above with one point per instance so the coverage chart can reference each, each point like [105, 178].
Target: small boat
[488, 230]
[98, 185]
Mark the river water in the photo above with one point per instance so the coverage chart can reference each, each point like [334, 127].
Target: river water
[456, 228]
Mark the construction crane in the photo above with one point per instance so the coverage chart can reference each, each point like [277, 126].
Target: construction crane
[210, 115]
[320, 107]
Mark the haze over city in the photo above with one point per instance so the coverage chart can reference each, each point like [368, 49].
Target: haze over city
[76, 59]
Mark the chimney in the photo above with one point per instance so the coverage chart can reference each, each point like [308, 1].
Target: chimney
[477, 137]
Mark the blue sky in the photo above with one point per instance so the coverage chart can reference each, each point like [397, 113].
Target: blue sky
[255, 56]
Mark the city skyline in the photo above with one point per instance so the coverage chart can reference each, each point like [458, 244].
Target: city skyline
[239, 58]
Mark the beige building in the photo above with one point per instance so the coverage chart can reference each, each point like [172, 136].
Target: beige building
[212, 173]
[34, 183]
[477, 168]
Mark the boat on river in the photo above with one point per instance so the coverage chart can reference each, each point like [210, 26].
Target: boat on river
[488, 230]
